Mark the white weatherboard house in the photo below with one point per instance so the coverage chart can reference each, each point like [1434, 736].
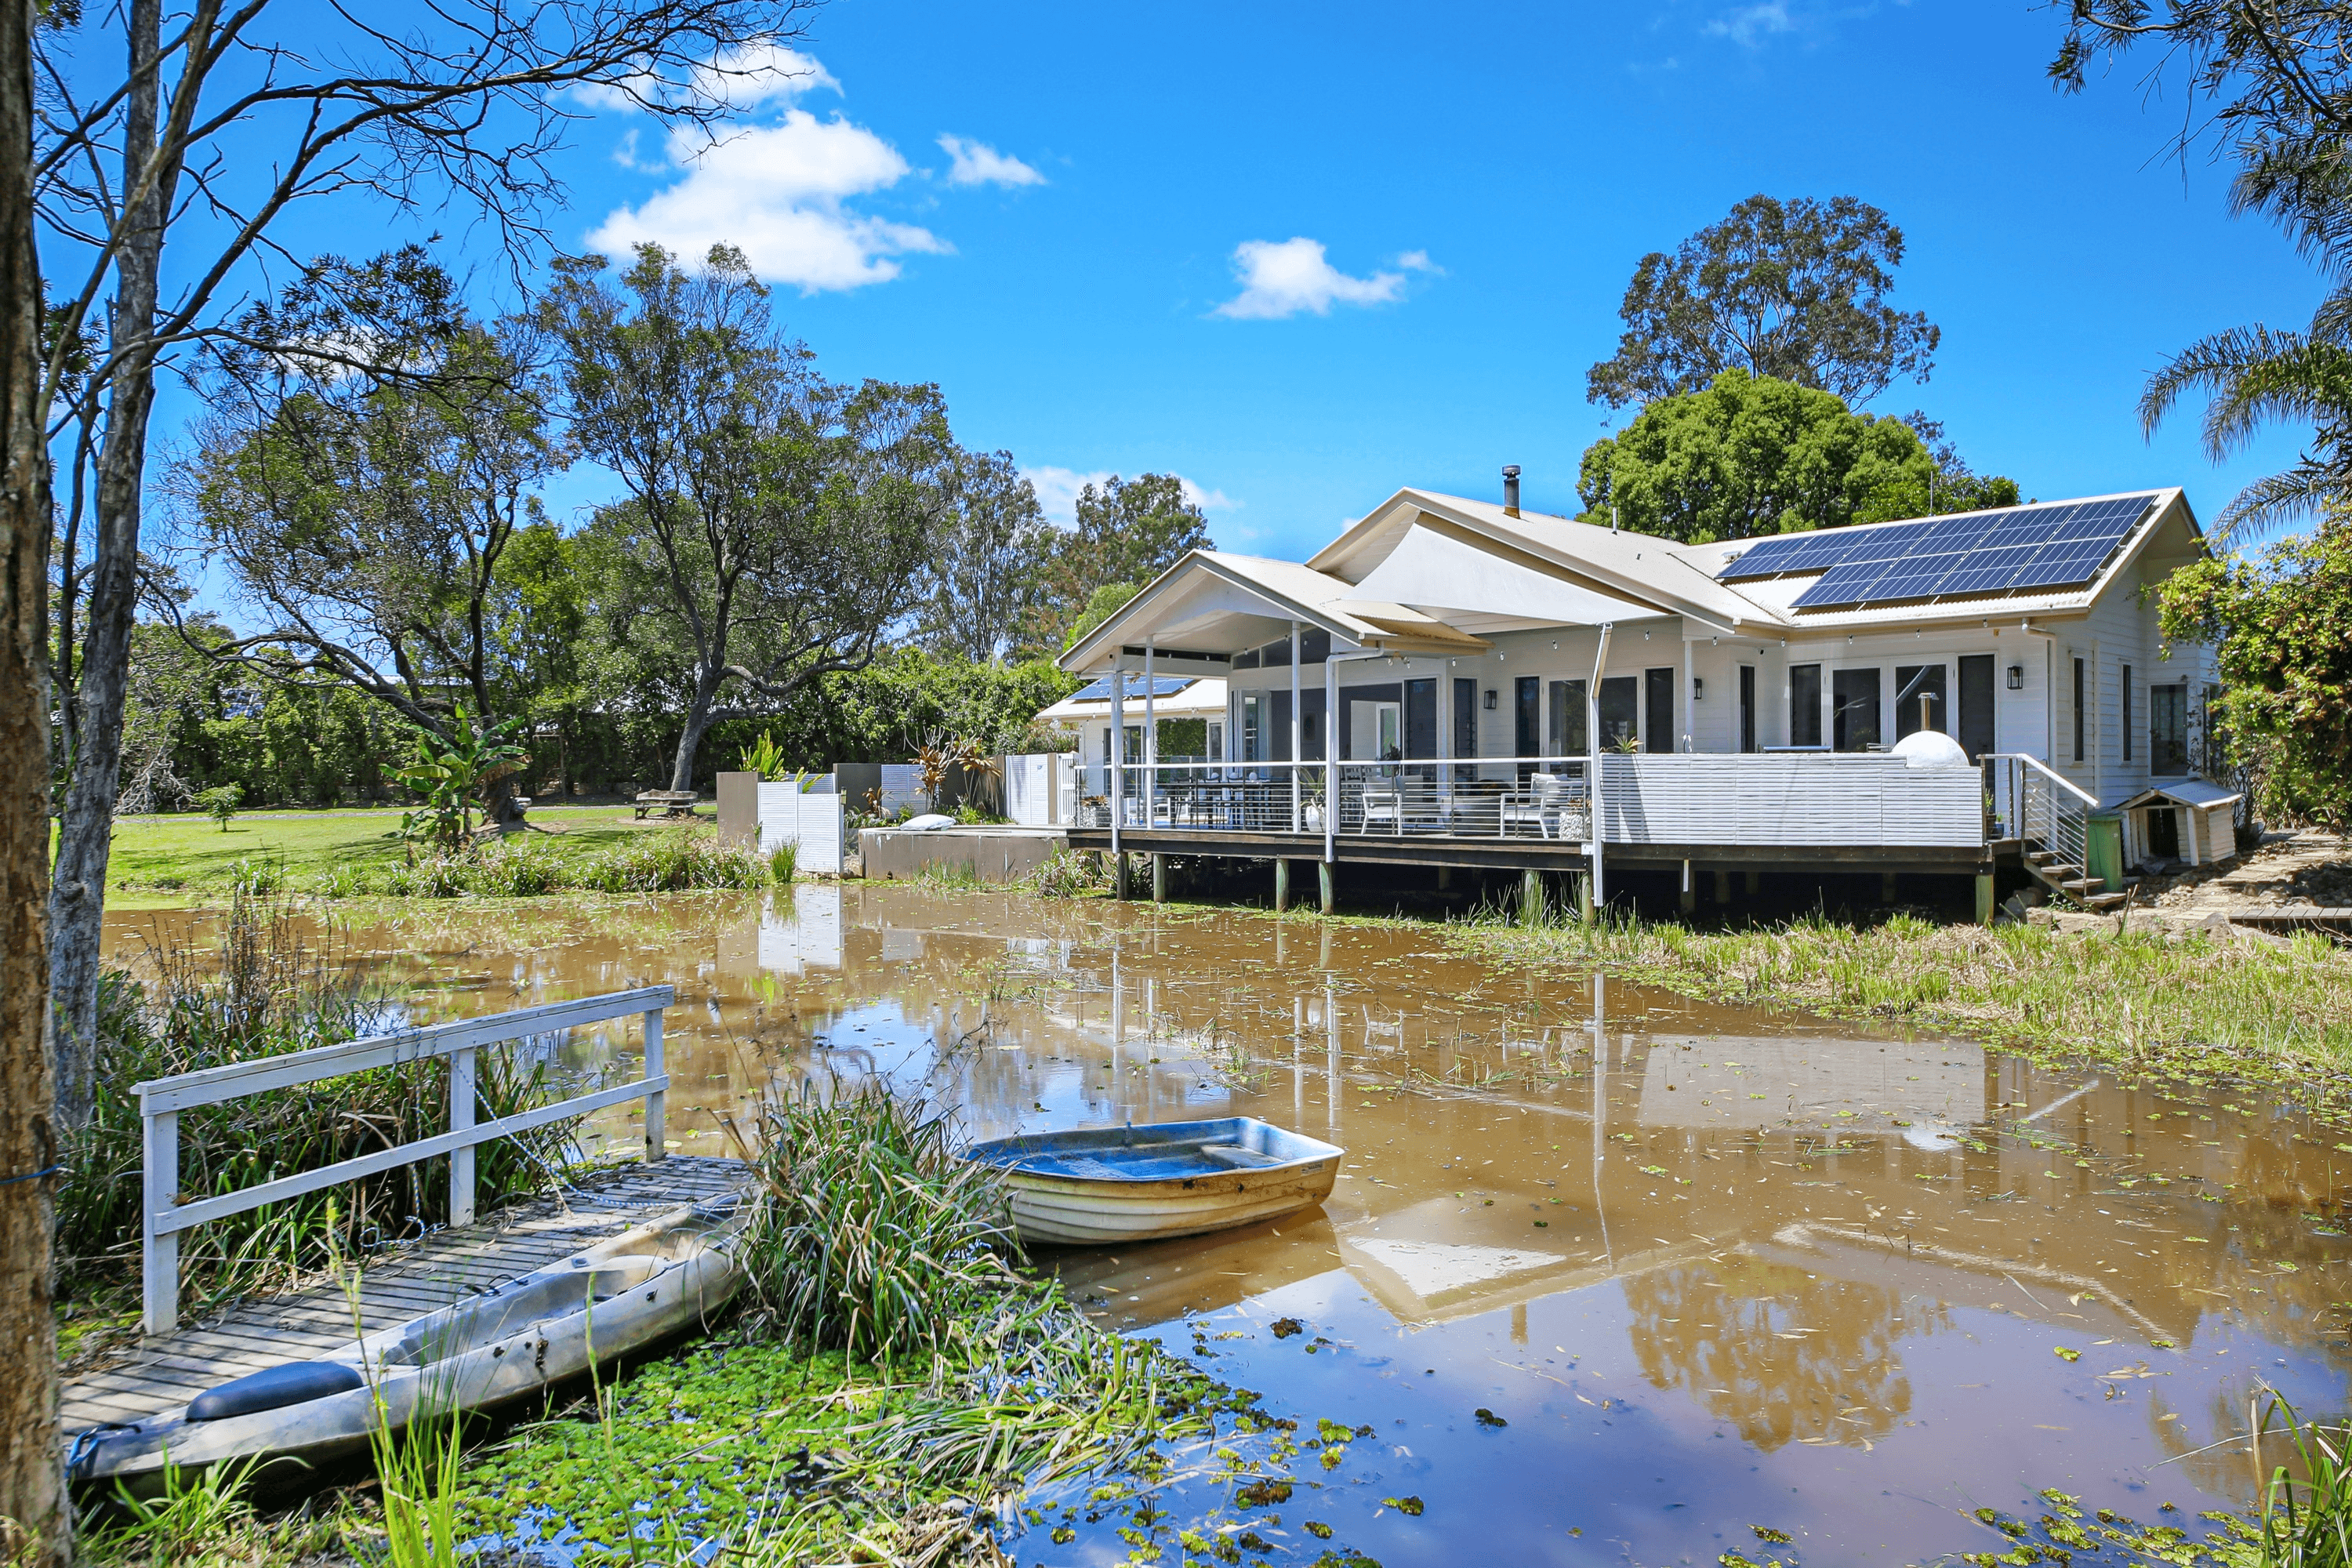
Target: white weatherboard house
[1451, 682]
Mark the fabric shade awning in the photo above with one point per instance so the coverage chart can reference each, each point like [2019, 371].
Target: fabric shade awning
[1436, 573]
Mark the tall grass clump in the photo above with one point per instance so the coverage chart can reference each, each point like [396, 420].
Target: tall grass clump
[784, 861]
[527, 866]
[871, 1237]
[271, 983]
[2306, 1520]
[1071, 874]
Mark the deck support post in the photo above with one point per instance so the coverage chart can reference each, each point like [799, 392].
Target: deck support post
[657, 1103]
[461, 1117]
[1281, 886]
[1755, 883]
[1323, 884]
[1887, 894]
[1121, 877]
[1722, 887]
[1158, 878]
[1531, 897]
[159, 1251]
[1687, 900]
[1444, 877]
[1584, 897]
[1984, 898]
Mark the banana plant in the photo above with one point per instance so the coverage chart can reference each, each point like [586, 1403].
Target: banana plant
[449, 772]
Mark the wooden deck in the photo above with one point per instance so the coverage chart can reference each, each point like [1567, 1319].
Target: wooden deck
[164, 1374]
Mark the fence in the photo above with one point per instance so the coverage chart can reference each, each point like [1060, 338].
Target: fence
[1041, 788]
[162, 1099]
[814, 821]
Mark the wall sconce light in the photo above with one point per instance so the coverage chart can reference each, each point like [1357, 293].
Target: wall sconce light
[1698, 689]
[1490, 699]
[2017, 677]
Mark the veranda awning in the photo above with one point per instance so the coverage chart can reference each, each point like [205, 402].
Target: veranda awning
[1437, 573]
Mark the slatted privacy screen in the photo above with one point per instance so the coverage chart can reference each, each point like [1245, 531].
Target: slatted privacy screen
[1767, 801]
[161, 1101]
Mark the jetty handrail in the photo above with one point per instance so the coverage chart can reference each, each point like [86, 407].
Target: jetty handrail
[161, 1101]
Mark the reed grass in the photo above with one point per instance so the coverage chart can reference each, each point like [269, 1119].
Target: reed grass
[871, 1236]
[1071, 874]
[532, 866]
[2306, 1519]
[270, 985]
[2194, 1005]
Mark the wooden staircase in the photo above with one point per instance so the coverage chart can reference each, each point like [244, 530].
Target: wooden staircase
[2050, 818]
[2062, 876]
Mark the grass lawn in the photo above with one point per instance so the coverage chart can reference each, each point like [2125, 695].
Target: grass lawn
[164, 859]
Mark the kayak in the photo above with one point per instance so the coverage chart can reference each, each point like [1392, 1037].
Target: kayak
[1112, 1184]
[636, 1289]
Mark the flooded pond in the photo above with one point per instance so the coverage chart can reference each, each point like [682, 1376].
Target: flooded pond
[1607, 1273]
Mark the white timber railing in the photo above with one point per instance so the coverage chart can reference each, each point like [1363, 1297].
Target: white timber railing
[1795, 800]
[2029, 803]
[161, 1101]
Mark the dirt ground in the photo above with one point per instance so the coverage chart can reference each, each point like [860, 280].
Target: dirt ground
[2306, 870]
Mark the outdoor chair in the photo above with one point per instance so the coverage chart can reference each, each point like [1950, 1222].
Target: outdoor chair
[1384, 806]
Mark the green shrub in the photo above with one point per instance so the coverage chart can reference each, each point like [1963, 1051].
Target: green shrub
[1070, 874]
[220, 803]
[784, 861]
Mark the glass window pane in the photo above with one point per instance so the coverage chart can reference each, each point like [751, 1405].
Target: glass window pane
[1805, 705]
[1854, 694]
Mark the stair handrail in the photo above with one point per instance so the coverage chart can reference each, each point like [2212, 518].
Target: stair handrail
[2046, 806]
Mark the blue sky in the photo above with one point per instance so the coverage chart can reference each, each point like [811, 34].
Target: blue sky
[1481, 181]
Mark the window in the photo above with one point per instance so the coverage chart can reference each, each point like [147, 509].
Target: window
[1465, 718]
[1854, 695]
[2078, 709]
[1566, 737]
[1804, 705]
[2167, 729]
[1527, 726]
[1747, 707]
[1621, 702]
[1658, 709]
[2127, 713]
[1917, 686]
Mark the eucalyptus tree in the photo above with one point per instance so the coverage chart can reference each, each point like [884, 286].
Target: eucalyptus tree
[775, 524]
[219, 121]
[988, 568]
[362, 477]
[35, 1518]
[1791, 291]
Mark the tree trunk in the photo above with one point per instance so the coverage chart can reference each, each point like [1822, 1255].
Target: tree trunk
[689, 739]
[78, 894]
[36, 1525]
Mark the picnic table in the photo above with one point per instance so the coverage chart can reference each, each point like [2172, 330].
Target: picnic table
[668, 804]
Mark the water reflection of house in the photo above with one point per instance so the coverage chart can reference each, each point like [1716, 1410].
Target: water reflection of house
[804, 934]
[1735, 1080]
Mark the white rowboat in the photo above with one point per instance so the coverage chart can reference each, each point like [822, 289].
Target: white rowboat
[1111, 1184]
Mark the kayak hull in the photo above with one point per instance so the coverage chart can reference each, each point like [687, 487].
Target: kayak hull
[1108, 1186]
[645, 1286]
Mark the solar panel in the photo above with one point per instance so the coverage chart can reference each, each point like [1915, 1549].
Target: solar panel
[1162, 686]
[1789, 552]
[2060, 545]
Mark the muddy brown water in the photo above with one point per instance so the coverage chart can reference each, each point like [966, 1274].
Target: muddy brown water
[1713, 1268]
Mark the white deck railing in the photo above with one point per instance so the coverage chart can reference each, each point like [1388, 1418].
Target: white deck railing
[162, 1099]
[1754, 799]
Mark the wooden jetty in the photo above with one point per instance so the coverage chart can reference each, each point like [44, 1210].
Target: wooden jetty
[174, 1361]
[315, 1320]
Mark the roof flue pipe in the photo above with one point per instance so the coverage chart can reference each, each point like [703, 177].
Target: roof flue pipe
[1510, 489]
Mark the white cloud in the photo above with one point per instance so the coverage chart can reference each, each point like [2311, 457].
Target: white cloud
[761, 74]
[1057, 492]
[777, 190]
[1419, 261]
[1750, 25]
[1283, 279]
[747, 78]
[978, 163]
